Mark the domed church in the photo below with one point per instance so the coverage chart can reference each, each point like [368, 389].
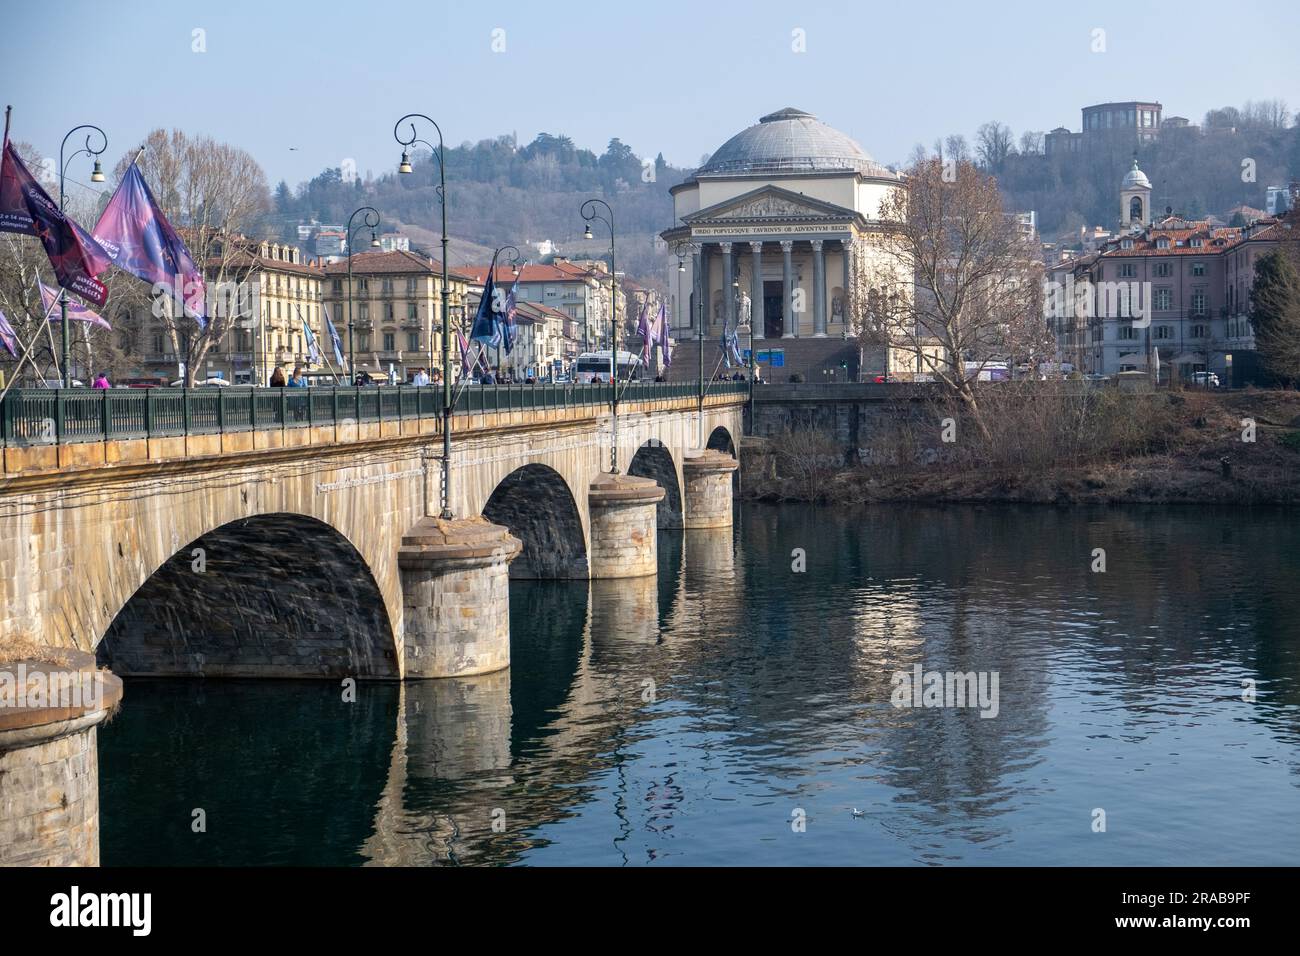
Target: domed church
[778, 216]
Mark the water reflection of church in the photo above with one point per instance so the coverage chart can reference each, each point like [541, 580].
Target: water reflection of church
[783, 215]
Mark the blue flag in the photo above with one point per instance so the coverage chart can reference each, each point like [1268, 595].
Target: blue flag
[313, 351]
[484, 329]
[506, 319]
[334, 336]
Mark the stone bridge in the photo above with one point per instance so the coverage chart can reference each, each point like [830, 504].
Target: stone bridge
[308, 550]
[267, 534]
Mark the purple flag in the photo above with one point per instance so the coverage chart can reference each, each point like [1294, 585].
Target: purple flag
[77, 311]
[661, 336]
[8, 337]
[25, 208]
[139, 239]
[643, 330]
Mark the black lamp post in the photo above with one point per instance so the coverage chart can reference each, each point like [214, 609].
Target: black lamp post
[405, 167]
[683, 248]
[589, 213]
[96, 176]
[370, 211]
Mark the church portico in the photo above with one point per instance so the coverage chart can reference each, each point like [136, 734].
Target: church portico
[778, 222]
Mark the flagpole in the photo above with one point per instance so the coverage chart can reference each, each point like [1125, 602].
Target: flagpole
[26, 356]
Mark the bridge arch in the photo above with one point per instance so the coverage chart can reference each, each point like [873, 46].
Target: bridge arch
[537, 505]
[654, 460]
[720, 440]
[269, 595]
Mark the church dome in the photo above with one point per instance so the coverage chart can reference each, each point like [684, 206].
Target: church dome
[1135, 178]
[790, 141]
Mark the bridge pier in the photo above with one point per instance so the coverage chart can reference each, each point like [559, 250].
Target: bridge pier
[49, 765]
[624, 540]
[708, 489]
[456, 597]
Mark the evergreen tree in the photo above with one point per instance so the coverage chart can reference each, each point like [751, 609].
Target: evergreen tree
[1275, 312]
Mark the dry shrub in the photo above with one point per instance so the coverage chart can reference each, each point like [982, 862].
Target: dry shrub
[1032, 426]
[808, 457]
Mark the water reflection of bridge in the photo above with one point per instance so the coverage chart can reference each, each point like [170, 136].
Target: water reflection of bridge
[461, 753]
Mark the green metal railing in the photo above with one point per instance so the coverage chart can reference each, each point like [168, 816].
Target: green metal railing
[44, 416]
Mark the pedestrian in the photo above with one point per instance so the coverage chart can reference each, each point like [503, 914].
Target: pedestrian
[277, 378]
[421, 378]
[101, 381]
[298, 380]
[489, 378]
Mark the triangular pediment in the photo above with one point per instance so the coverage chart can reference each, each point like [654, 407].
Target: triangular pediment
[771, 204]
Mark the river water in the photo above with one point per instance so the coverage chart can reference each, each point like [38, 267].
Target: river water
[737, 710]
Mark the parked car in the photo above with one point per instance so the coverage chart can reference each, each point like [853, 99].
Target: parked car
[1205, 379]
[58, 383]
[208, 383]
[1096, 377]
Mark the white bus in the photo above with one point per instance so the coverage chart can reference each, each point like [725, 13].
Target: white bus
[594, 367]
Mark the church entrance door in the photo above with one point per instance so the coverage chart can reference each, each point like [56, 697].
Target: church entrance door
[773, 304]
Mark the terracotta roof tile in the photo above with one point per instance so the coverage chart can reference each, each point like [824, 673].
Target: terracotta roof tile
[398, 262]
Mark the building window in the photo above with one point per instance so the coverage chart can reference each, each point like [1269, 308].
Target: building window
[388, 311]
[158, 345]
[1127, 270]
[363, 285]
[363, 341]
[411, 284]
[1163, 270]
[1198, 332]
[387, 285]
[1164, 299]
[1127, 332]
[413, 341]
[1198, 268]
[1198, 302]
[363, 311]
[390, 343]
[1164, 332]
[412, 311]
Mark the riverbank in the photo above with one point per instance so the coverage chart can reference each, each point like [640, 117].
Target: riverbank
[1197, 448]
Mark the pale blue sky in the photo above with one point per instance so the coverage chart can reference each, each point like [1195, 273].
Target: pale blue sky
[671, 78]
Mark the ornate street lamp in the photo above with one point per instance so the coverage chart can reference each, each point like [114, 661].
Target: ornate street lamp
[96, 176]
[683, 248]
[405, 167]
[589, 213]
[370, 213]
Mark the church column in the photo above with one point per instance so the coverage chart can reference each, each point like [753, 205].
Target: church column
[699, 299]
[846, 246]
[728, 297]
[787, 290]
[819, 290]
[756, 323]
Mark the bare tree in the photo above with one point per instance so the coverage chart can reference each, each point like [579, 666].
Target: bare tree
[214, 194]
[994, 142]
[1031, 143]
[956, 148]
[957, 285]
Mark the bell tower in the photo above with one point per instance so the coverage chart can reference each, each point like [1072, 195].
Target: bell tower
[1135, 199]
